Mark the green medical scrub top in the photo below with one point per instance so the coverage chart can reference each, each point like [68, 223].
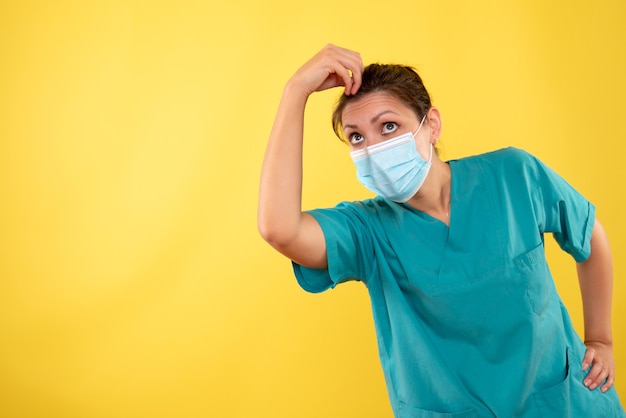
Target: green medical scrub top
[467, 316]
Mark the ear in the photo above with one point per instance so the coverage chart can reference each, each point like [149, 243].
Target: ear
[434, 123]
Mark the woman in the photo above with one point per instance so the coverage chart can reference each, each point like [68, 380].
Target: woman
[468, 320]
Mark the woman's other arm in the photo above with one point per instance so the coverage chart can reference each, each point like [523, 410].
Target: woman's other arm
[595, 276]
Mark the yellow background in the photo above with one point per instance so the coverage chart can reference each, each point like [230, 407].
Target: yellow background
[133, 281]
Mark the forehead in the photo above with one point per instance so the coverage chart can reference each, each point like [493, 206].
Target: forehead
[364, 108]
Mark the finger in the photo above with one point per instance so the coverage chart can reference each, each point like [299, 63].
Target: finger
[346, 76]
[352, 62]
[588, 359]
[357, 78]
[595, 371]
[604, 374]
[609, 382]
[342, 64]
[596, 376]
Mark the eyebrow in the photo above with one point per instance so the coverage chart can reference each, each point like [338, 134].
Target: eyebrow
[373, 120]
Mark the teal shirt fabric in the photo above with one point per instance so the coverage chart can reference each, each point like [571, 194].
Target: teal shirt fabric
[468, 320]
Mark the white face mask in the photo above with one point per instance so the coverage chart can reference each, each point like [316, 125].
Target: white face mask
[393, 168]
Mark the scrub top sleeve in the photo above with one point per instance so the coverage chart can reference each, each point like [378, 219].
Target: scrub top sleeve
[568, 215]
[348, 249]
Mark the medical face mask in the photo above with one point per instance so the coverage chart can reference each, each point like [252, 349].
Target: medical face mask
[393, 168]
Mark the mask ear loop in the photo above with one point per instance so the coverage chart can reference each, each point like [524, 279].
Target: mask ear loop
[419, 127]
[430, 159]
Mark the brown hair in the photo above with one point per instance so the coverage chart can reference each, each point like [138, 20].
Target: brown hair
[400, 81]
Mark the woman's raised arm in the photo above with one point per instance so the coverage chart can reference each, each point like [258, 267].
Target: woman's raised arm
[281, 221]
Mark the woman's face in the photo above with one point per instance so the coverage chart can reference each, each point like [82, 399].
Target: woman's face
[378, 117]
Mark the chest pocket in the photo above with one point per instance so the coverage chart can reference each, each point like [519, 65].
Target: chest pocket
[536, 276]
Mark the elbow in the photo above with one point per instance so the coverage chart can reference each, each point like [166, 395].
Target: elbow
[273, 233]
[266, 231]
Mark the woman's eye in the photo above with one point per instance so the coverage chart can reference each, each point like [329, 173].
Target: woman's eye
[356, 138]
[389, 127]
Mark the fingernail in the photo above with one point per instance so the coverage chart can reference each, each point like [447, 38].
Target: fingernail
[586, 382]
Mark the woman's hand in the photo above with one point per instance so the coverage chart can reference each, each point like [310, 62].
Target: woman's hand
[600, 357]
[331, 67]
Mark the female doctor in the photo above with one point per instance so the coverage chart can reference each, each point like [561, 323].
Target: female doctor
[468, 319]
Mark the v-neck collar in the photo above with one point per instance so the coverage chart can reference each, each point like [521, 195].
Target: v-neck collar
[431, 218]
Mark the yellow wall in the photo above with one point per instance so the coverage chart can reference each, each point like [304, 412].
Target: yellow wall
[133, 282]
